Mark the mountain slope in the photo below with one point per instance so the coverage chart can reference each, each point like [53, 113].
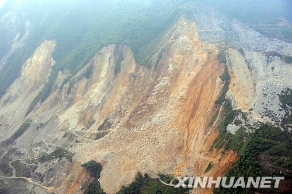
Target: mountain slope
[148, 105]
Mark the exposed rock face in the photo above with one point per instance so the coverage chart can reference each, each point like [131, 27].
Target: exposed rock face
[257, 76]
[153, 120]
[216, 28]
[241, 86]
[35, 73]
[163, 114]
[270, 76]
[148, 119]
[258, 82]
[14, 33]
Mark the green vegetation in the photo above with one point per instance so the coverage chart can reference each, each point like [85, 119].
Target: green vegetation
[229, 141]
[286, 103]
[286, 98]
[58, 153]
[266, 152]
[4, 165]
[88, 72]
[226, 79]
[209, 167]
[158, 59]
[237, 122]
[165, 177]
[273, 54]
[100, 135]
[23, 170]
[20, 131]
[146, 184]
[282, 162]
[8, 186]
[241, 51]
[8, 154]
[263, 17]
[228, 116]
[287, 119]
[267, 145]
[95, 169]
[13, 65]
[214, 117]
[222, 56]
[107, 123]
[79, 35]
[265, 142]
[287, 59]
[225, 76]
[4, 46]
[225, 139]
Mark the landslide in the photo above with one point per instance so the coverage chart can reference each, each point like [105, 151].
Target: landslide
[142, 118]
[157, 119]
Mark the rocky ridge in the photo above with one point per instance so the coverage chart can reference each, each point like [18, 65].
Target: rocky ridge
[151, 118]
[254, 61]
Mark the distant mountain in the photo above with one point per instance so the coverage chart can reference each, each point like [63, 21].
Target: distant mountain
[107, 96]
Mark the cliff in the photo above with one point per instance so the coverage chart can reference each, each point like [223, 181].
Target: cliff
[148, 118]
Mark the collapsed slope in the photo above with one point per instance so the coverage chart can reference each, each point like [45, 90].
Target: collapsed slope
[135, 119]
[164, 115]
[143, 118]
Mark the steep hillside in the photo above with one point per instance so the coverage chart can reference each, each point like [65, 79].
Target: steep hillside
[34, 75]
[158, 111]
[187, 95]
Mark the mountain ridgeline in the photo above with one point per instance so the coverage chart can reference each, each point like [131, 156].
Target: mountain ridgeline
[82, 28]
[111, 96]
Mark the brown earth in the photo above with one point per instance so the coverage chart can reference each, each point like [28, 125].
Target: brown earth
[160, 118]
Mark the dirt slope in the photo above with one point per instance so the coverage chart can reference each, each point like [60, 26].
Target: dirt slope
[149, 118]
[159, 118]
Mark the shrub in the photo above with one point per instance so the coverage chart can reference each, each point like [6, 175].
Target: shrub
[20, 131]
[226, 79]
[58, 153]
[287, 59]
[146, 184]
[222, 56]
[80, 35]
[209, 167]
[266, 140]
[213, 119]
[95, 169]
[237, 122]
[286, 98]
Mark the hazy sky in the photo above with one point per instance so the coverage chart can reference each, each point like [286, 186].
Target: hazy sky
[2, 2]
